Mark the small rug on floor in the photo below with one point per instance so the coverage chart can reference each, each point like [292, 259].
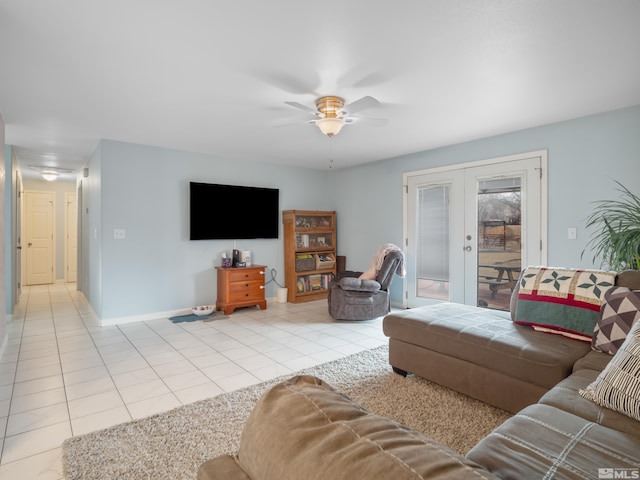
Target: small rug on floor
[192, 317]
[173, 444]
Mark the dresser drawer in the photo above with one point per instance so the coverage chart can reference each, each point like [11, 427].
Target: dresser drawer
[239, 291]
[239, 274]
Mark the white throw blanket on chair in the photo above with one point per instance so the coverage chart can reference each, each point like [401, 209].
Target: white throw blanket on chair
[378, 258]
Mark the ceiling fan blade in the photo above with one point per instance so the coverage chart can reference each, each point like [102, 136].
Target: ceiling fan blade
[368, 121]
[291, 124]
[299, 84]
[360, 104]
[302, 107]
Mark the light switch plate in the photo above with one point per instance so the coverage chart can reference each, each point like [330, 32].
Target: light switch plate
[119, 234]
[572, 233]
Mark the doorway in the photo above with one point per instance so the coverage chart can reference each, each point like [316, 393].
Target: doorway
[17, 265]
[471, 228]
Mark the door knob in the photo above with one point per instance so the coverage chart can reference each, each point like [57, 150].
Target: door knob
[29, 244]
[468, 248]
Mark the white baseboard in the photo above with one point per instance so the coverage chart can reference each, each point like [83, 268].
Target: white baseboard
[3, 343]
[104, 322]
[144, 317]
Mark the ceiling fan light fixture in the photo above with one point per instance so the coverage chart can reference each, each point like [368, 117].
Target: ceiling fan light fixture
[49, 176]
[332, 114]
[330, 126]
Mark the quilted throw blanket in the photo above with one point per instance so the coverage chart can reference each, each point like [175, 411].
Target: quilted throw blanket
[562, 301]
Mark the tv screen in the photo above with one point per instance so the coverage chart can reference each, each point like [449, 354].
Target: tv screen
[232, 212]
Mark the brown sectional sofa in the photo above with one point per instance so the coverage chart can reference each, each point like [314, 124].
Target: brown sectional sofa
[480, 353]
[483, 353]
[302, 428]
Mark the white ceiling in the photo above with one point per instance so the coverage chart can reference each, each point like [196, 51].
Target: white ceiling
[212, 77]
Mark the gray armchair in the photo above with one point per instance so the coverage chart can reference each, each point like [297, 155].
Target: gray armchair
[351, 298]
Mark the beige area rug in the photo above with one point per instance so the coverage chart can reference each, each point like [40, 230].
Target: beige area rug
[172, 445]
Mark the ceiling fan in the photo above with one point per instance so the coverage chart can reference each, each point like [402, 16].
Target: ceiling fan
[333, 114]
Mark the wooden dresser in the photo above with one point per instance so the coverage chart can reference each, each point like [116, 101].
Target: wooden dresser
[240, 287]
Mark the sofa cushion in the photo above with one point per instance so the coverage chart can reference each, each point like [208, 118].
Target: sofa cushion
[303, 429]
[224, 467]
[593, 360]
[545, 442]
[562, 301]
[620, 309]
[629, 279]
[618, 385]
[487, 338]
[565, 396]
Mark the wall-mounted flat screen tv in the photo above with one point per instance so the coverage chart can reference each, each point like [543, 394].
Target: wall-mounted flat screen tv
[232, 212]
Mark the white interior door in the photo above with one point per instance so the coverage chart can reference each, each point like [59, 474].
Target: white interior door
[471, 228]
[39, 237]
[71, 237]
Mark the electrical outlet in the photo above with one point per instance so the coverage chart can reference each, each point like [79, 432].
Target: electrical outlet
[572, 233]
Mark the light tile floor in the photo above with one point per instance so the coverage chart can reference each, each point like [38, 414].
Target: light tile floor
[62, 374]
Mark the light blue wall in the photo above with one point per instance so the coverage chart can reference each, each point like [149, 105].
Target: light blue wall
[90, 226]
[585, 156]
[8, 221]
[3, 229]
[145, 191]
[11, 224]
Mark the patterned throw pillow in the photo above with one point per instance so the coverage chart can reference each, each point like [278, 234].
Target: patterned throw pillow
[620, 309]
[618, 385]
[561, 300]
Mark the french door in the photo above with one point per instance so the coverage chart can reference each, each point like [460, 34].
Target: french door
[471, 228]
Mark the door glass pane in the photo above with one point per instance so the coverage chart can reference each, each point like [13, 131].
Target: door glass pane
[432, 253]
[499, 240]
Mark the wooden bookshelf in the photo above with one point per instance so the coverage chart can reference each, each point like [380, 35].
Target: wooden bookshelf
[309, 253]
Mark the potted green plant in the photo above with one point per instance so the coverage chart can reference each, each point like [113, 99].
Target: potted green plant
[616, 236]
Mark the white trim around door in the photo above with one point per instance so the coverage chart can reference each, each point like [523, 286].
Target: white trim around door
[459, 183]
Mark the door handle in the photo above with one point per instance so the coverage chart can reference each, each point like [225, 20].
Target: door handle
[29, 244]
[468, 248]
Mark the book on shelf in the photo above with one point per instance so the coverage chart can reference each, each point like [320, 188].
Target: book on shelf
[313, 282]
[302, 240]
